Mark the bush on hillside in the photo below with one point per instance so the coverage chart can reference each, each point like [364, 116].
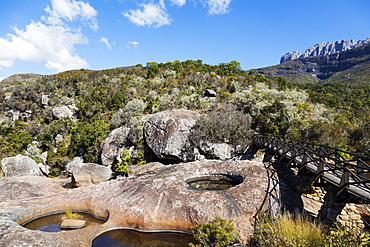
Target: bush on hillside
[225, 124]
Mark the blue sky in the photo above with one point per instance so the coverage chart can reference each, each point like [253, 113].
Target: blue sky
[50, 36]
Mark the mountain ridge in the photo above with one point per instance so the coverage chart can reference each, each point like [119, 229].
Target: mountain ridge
[324, 48]
[350, 66]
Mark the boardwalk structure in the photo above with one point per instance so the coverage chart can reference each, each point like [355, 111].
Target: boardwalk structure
[345, 176]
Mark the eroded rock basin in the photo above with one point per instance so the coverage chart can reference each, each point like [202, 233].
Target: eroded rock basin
[158, 199]
[52, 222]
[215, 182]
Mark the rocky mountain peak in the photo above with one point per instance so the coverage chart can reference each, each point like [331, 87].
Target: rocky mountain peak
[325, 48]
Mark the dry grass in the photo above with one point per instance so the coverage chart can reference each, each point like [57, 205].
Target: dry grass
[287, 230]
[297, 230]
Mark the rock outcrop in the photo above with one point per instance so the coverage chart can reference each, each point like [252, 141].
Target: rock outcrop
[113, 145]
[21, 165]
[325, 48]
[85, 174]
[159, 199]
[167, 134]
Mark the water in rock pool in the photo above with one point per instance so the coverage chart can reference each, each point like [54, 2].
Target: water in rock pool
[131, 238]
[51, 223]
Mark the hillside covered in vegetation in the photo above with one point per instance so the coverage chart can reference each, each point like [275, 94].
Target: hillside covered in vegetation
[233, 104]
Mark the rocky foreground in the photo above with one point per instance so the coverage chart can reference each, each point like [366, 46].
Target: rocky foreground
[156, 199]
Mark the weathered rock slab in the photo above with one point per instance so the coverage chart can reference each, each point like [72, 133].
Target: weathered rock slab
[20, 188]
[159, 199]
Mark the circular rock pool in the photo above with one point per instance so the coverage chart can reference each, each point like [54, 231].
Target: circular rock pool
[216, 182]
[51, 223]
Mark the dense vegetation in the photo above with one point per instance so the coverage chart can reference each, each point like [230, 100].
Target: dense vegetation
[334, 114]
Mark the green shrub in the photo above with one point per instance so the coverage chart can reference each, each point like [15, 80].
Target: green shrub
[223, 125]
[216, 233]
[337, 236]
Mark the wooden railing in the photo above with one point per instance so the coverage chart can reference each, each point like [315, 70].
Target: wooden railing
[349, 172]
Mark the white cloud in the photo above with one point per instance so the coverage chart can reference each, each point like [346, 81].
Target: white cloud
[39, 42]
[218, 6]
[151, 15]
[50, 40]
[106, 42]
[1, 79]
[178, 2]
[134, 44]
[71, 11]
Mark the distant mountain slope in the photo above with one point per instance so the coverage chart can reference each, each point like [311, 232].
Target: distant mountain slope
[325, 48]
[351, 66]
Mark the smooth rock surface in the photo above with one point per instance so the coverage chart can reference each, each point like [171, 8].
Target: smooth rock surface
[75, 162]
[72, 224]
[159, 199]
[86, 174]
[20, 188]
[134, 170]
[21, 165]
[167, 133]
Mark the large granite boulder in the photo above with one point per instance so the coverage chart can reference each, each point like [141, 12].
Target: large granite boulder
[85, 174]
[112, 146]
[21, 165]
[167, 134]
[159, 199]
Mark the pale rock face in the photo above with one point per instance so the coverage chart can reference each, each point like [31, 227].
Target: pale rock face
[21, 165]
[325, 48]
[76, 161]
[85, 174]
[72, 224]
[167, 134]
[20, 188]
[112, 146]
